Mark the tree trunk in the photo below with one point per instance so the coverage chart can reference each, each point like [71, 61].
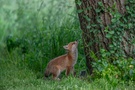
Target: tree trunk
[88, 17]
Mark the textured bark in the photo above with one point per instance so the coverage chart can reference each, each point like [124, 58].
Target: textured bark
[86, 35]
[88, 8]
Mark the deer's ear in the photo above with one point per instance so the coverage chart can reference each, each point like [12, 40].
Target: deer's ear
[65, 47]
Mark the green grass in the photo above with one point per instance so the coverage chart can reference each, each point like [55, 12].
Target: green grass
[15, 75]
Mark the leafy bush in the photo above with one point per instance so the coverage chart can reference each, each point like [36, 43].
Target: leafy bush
[114, 69]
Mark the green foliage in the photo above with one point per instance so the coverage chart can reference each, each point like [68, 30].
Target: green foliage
[112, 64]
[16, 76]
[114, 40]
[114, 69]
[121, 24]
[38, 30]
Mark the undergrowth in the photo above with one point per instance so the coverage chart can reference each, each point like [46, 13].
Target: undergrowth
[16, 75]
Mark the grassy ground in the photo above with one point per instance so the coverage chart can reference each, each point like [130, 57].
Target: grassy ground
[14, 75]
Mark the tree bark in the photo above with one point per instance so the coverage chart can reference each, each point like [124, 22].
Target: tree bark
[88, 19]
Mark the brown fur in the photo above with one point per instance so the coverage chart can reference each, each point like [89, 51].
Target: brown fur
[64, 62]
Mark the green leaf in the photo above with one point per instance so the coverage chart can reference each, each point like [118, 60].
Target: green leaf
[111, 45]
[79, 11]
[111, 32]
[79, 2]
[102, 50]
[100, 3]
[112, 51]
[114, 20]
[130, 25]
[98, 10]
[106, 29]
[114, 43]
[108, 35]
[104, 55]
[87, 18]
[88, 26]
